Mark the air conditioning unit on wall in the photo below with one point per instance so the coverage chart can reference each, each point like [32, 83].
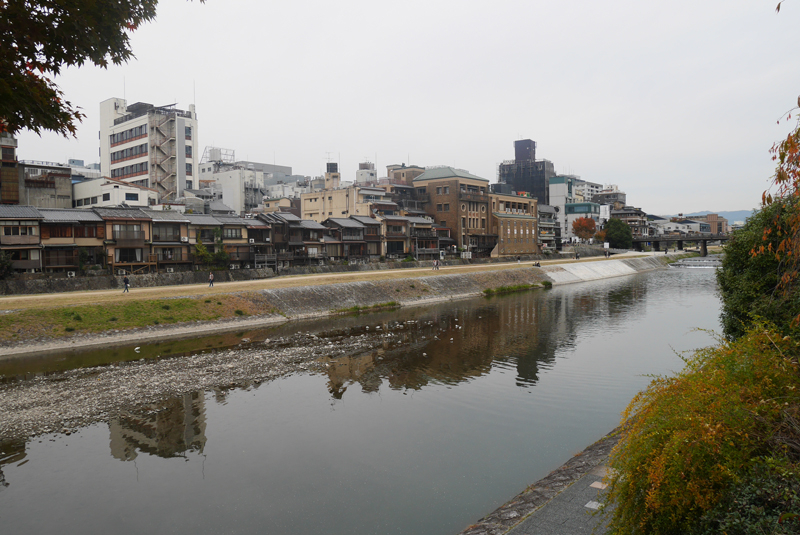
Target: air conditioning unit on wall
[251, 240]
[184, 239]
[70, 274]
[170, 270]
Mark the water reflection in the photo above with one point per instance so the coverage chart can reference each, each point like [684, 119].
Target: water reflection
[525, 331]
[166, 429]
[11, 451]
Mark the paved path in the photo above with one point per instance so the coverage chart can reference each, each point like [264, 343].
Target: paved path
[571, 511]
[54, 300]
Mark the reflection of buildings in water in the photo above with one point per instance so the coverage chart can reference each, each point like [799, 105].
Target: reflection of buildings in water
[525, 330]
[11, 451]
[165, 429]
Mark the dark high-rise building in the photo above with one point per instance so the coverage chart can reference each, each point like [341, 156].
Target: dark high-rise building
[526, 173]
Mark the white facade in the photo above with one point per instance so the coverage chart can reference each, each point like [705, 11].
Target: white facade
[150, 146]
[586, 189]
[102, 192]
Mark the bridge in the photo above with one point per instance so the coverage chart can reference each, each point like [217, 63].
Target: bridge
[703, 239]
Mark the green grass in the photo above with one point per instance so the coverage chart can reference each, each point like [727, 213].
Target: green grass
[123, 315]
[359, 310]
[509, 289]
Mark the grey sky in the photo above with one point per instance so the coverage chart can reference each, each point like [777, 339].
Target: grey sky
[675, 102]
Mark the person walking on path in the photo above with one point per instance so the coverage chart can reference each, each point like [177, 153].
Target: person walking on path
[433, 267]
[211, 280]
[127, 283]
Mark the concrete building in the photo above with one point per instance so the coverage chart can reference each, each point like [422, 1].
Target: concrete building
[461, 202]
[717, 224]
[526, 173]
[151, 146]
[107, 192]
[573, 211]
[515, 223]
[44, 184]
[612, 195]
[636, 219]
[366, 174]
[403, 174]
[585, 188]
[343, 202]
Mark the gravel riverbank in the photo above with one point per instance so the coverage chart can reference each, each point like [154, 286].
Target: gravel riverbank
[65, 401]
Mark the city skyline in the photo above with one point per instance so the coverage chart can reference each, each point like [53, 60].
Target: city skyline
[676, 104]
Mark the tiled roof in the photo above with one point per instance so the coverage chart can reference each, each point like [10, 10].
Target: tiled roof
[346, 222]
[120, 213]
[8, 211]
[230, 220]
[203, 219]
[419, 220]
[365, 220]
[446, 172]
[166, 215]
[68, 215]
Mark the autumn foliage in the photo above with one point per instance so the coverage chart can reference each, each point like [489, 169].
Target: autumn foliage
[689, 440]
[584, 227]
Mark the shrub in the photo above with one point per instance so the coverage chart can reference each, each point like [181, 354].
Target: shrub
[758, 503]
[547, 284]
[748, 284]
[239, 312]
[688, 440]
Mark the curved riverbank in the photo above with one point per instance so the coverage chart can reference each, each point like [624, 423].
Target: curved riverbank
[270, 305]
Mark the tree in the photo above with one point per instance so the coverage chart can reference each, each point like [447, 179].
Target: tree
[600, 236]
[6, 265]
[583, 227]
[618, 234]
[749, 284]
[40, 37]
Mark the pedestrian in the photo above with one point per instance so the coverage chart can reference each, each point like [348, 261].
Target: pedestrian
[127, 283]
[518, 259]
[666, 250]
[433, 267]
[211, 280]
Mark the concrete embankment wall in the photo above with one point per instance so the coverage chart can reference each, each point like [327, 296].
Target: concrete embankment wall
[40, 283]
[300, 302]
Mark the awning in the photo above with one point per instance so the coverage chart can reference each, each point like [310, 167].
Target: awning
[18, 247]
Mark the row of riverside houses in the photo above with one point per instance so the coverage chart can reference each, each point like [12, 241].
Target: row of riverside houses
[137, 240]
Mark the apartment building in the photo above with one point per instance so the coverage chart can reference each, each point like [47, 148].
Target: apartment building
[151, 146]
[344, 202]
[514, 221]
[460, 201]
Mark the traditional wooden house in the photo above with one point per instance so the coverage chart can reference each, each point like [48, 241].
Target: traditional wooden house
[170, 241]
[397, 236]
[20, 236]
[72, 239]
[346, 239]
[127, 240]
[372, 235]
[425, 238]
[235, 241]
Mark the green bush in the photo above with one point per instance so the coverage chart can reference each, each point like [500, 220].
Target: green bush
[618, 234]
[763, 501]
[748, 283]
[687, 441]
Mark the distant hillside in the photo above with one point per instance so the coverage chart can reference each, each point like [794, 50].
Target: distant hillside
[731, 216]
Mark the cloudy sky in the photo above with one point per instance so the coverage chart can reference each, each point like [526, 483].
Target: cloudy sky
[676, 102]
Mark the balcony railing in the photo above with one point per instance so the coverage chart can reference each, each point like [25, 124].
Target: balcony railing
[352, 238]
[424, 233]
[166, 258]
[475, 197]
[396, 234]
[128, 235]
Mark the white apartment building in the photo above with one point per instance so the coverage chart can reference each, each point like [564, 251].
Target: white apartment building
[586, 189]
[106, 192]
[150, 146]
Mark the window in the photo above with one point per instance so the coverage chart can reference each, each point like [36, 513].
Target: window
[188, 132]
[232, 233]
[131, 197]
[94, 200]
[447, 190]
[443, 223]
[483, 222]
[188, 151]
[188, 169]
[60, 231]
[79, 202]
[85, 231]
[17, 228]
[106, 196]
[438, 207]
[438, 191]
[446, 207]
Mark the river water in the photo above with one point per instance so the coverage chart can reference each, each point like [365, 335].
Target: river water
[483, 398]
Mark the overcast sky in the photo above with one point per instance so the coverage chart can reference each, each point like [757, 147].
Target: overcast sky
[676, 102]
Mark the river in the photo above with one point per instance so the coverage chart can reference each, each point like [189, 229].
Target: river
[472, 402]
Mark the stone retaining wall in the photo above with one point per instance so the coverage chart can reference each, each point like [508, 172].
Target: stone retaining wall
[40, 283]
